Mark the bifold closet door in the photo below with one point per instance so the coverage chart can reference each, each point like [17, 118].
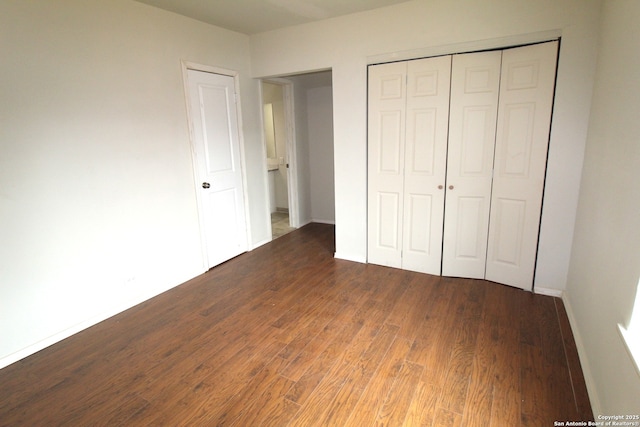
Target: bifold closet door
[387, 111]
[475, 82]
[407, 144]
[492, 112]
[524, 120]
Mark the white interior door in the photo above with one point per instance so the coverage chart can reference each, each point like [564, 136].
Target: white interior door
[427, 116]
[475, 84]
[216, 146]
[524, 118]
[386, 145]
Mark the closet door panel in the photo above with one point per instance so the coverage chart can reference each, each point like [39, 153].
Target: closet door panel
[428, 82]
[524, 118]
[386, 153]
[475, 83]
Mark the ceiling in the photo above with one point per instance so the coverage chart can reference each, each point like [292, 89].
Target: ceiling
[256, 16]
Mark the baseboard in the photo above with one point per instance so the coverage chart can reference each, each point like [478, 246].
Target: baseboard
[53, 339]
[548, 291]
[49, 341]
[260, 243]
[346, 257]
[582, 354]
[324, 221]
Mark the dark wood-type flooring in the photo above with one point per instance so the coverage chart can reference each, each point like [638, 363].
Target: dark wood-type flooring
[288, 335]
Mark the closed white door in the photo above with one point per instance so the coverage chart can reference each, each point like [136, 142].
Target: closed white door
[386, 128]
[428, 82]
[216, 144]
[475, 82]
[494, 147]
[524, 119]
[408, 118]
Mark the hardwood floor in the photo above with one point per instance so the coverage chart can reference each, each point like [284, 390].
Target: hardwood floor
[288, 335]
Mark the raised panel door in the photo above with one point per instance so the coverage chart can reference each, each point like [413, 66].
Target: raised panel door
[475, 83]
[216, 143]
[524, 119]
[386, 148]
[428, 82]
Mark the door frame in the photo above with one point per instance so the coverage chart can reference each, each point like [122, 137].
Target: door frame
[186, 65]
[290, 143]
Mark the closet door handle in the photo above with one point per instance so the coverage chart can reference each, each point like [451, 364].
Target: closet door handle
[440, 187]
[451, 187]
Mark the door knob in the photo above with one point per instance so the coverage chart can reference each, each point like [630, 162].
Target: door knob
[206, 185]
[451, 187]
[440, 187]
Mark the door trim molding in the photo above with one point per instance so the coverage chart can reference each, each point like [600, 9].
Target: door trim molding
[185, 66]
[466, 47]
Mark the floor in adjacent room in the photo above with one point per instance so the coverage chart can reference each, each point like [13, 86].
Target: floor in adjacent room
[287, 335]
[280, 224]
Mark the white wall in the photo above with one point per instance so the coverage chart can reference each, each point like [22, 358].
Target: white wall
[97, 197]
[320, 127]
[314, 142]
[427, 27]
[605, 264]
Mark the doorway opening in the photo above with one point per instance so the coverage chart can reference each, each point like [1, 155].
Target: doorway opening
[277, 109]
[298, 128]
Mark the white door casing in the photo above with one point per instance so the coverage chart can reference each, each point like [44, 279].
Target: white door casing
[218, 164]
[524, 120]
[475, 84]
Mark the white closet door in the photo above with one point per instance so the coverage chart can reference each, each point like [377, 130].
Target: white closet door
[475, 84]
[386, 144]
[526, 98]
[428, 82]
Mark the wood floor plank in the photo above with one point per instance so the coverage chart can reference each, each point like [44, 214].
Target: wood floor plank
[267, 403]
[412, 306]
[446, 418]
[534, 402]
[480, 393]
[459, 366]
[319, 343]
[288, 335]
[422, 410]
[365, 411]
[319, 367]
[316, 406]
[583, 405]
[254, 392]
[505, 338]
[358, 377]
[394, 410]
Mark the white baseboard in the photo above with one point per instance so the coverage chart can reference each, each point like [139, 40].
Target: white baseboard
[346, 257]
[260, 243]
[548, 291]
[55, 338]
[324, 221]
[582, 354]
